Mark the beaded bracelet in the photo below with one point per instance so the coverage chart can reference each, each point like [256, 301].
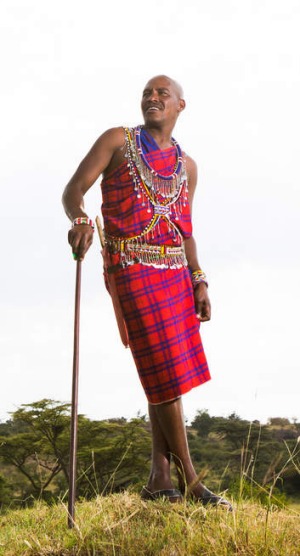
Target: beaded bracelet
[197, 277]
[83, 220]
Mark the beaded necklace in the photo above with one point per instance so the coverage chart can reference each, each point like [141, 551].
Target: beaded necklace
[146, 179]
[159, 192]
[166, 186]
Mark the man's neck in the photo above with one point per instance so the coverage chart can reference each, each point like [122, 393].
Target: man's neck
[162, 136]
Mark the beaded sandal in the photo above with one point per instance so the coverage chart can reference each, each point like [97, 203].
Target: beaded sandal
[171, 494]
[209, 497]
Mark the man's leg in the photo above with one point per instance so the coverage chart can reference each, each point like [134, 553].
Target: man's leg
[169, 419]
[160, 477]
[169, 438]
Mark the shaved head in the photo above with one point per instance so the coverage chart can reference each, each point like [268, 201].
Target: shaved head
[174, 84]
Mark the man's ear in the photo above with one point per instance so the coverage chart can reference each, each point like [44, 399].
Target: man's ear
[181, 104]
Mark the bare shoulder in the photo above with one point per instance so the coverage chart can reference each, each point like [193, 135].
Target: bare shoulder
[113, 142]
[114, 138]
[100, 156]
[105, 152]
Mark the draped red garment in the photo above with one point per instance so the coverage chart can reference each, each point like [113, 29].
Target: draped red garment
[157, 303]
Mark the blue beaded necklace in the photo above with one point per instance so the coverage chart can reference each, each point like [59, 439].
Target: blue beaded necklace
[178, 165]
[166, 186]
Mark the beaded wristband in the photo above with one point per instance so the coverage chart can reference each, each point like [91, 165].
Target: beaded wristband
[83, 220]
[197, 277]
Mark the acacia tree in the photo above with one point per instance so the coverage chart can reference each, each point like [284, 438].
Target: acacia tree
[111, 454]
[40, 450]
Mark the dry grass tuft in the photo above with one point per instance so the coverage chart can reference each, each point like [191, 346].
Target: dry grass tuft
[123, 524]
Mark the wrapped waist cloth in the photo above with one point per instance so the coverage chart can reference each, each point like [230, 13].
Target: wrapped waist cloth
[163, 330]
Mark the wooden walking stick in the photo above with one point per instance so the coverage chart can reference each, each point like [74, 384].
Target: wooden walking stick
[74, 412]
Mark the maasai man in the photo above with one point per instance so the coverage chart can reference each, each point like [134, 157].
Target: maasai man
[147, 188]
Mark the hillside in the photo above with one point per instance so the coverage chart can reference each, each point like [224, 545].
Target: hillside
[123, 525]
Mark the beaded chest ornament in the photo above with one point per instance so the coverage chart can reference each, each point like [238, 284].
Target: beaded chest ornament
[165, 196]
[160, 191]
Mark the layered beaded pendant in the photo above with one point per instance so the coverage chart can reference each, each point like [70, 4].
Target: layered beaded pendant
[168, 186]
[162, 191]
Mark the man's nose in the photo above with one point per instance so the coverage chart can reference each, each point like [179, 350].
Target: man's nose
[154, 95]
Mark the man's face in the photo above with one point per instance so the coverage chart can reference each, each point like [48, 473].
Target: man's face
[161, 102]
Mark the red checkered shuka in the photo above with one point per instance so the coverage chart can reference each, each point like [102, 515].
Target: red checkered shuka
[157, 303]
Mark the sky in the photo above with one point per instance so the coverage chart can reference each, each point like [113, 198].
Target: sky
[70, 70]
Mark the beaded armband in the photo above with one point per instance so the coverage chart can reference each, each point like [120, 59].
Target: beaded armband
[83, 220]
[197, 277]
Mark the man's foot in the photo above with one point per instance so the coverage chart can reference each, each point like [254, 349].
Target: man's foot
[209, 498]
[171, 494]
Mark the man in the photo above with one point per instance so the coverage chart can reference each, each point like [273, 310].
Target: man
[150, 258]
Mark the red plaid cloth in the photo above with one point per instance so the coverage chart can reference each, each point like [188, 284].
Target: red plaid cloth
[157, 303]
[158, 306]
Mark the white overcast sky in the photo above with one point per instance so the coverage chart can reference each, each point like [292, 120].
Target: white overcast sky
[69, 71]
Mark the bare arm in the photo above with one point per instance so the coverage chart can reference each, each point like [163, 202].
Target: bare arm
[98, 159]
[202, 302]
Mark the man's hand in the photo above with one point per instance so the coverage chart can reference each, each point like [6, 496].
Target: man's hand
[80, 238]
[202, 303]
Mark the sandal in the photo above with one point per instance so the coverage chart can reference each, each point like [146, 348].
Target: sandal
[209, 497]
[171, 494]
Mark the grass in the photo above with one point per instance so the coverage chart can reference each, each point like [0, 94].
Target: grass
[124, 525]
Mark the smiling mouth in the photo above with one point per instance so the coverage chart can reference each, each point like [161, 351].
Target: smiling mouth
[153, 109]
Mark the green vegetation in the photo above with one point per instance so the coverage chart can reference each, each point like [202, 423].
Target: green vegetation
[34, 454]
[250, 460]
[257, 465]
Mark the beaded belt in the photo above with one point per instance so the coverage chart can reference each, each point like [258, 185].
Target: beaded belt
[134, 252]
